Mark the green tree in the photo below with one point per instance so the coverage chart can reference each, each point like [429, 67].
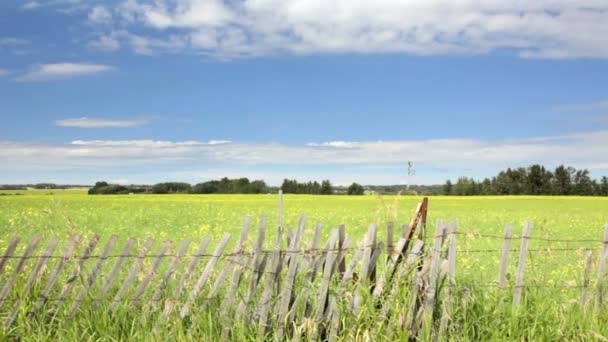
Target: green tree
[326, 188]
[447, 188]
[562, 180]
[356, 189]
[603, 186]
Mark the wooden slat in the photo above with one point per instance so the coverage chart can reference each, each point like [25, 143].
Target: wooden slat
[369, 246]
[308, 265]
[287, 291]
[335, 320]
[243, 309]
[205, 275]
[342, 261]
[31, 279]
[521, 264]
[71, 282]
[124, 254]
[390, 231]
[271, 276]
[191, 266]
[162, 285]
[451, 281]
[504, 259]
[410, 263]
[431, 292]
[601, 273]
[143, 285]
[585, 285]
[170, 303]
[135, 267]
[327, 273]
[9, 252]
[233, 259]
[55, 275]
[386, 279]
[94, 273]
[6, 289]
[328, 270]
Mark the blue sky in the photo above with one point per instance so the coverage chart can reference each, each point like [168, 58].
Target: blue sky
[137, 91]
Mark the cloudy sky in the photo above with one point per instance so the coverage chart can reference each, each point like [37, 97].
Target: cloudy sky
[136, 91]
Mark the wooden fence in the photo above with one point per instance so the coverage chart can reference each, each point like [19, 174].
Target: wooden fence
[297, 288]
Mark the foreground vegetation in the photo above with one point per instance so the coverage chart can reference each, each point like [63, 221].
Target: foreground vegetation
[551, 309]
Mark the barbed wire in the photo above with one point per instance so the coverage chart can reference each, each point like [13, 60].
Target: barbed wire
[305, 252]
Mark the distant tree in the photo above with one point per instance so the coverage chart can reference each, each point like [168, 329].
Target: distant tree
[210, 187]
[171, 188]
[447, 188]
[258, 187]
[326, 188]
[603, 186]
[355, 189]
[562, 180]
[583, 186]
[538, 180]
[486, 187]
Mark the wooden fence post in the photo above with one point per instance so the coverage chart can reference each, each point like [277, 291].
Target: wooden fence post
[601, 274]
[521, 264]
[431, 291]
[447, 305]
[504, 259]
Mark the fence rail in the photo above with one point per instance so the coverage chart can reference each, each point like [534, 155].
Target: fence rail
[271, 290]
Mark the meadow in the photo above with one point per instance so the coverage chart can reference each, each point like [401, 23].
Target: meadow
[554, 267]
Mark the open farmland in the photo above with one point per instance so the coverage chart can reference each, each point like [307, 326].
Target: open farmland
[553, 278]
[175, 217]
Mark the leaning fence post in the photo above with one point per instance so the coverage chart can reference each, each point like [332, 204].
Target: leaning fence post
[585, 287]
[602, 270]
[504, 260]
[521, 264]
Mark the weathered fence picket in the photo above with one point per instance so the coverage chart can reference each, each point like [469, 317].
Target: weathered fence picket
[601, 273]
[521, 264]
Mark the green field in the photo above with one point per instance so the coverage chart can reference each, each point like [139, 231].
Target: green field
[175, 217]
[554, 267]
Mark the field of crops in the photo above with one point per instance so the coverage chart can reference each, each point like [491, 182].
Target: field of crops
[555, 267]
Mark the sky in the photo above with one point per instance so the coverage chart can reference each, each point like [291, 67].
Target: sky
[135, 91]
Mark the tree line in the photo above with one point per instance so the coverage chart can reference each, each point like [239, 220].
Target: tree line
[222, 186]
[226, 186]
[531, 180]
[292, 186]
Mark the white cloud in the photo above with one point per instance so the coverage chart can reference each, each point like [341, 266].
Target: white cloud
[85, 122]
[583, 150]
[584, 107]
[44, 72]
[534, 29]
[3, 72]
[100, 15]
[106, 43]
[31, 5]
[11, 41]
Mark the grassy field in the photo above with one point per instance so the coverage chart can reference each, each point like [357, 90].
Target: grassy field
[554, 266]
